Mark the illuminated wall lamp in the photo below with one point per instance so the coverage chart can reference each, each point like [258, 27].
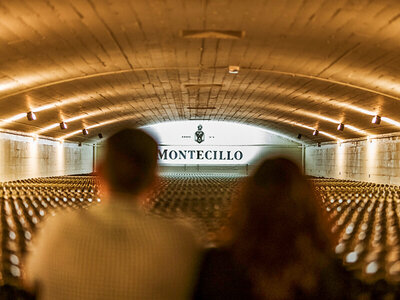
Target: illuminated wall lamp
[63, 125]
[340, 127]
[315, 133]
[376, 120]
[85, 131]
[31, 116]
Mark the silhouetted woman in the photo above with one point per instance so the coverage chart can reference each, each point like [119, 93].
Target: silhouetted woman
[278, 245]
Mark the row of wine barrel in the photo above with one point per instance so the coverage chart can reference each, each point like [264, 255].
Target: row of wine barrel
[364, 216]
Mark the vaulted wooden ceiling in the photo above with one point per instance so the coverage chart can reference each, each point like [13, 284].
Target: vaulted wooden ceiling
[103, 65]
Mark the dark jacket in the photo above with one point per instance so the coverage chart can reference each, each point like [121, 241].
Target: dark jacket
[221, 277]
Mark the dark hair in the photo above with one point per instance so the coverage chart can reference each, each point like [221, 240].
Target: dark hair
[278, 230]
[130, 161]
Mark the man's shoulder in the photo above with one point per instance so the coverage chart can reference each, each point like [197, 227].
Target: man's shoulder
[64, 219]
[181, 226]
[88, 222]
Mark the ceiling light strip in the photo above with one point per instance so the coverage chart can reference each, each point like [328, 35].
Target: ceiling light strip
[98, 125]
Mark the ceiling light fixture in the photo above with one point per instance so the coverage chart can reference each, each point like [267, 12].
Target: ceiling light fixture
[100, 136]
[63, 125]
[234, 69]
[315, 133]
[31, 116]
[340, 127]
[85, 131]
[376, 120]
[299, 136]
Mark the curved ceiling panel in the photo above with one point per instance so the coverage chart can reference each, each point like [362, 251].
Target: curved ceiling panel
[304, 66]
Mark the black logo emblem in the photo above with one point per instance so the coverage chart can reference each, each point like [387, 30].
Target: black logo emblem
[199, 135]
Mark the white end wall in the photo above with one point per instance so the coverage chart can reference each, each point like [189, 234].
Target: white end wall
[255, 143]
[375, 160]
[23, 157]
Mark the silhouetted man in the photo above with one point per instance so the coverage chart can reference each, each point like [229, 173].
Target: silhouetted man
[115, 250]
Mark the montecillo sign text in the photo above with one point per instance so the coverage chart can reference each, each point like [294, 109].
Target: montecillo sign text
[166, 154]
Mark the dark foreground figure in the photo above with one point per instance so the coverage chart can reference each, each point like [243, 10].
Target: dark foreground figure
[116, 250]
[278, 245]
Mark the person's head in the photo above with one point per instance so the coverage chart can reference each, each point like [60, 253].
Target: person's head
[129, 163]
[278, 195]
[278, 223]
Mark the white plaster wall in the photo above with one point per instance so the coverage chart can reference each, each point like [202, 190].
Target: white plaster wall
[291, 152]
[375, 160]
[23, 157]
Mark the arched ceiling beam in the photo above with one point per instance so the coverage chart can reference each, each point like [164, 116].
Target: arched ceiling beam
[270, 71]
[338, 103]
[298, 95]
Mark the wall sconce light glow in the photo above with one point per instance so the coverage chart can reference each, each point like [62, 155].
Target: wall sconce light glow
[86, 115]
[98, 125]
[334, 137]
[390, 121]
[318, 116]
[313, 129]
[46, 107]
[22, 115]
[352, 107]
[301, 125]
[366, 112]
[12, 119]
[355, 129]
[52, 126]
[47, 128]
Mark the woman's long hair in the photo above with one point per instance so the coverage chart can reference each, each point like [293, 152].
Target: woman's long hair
[278, 231]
